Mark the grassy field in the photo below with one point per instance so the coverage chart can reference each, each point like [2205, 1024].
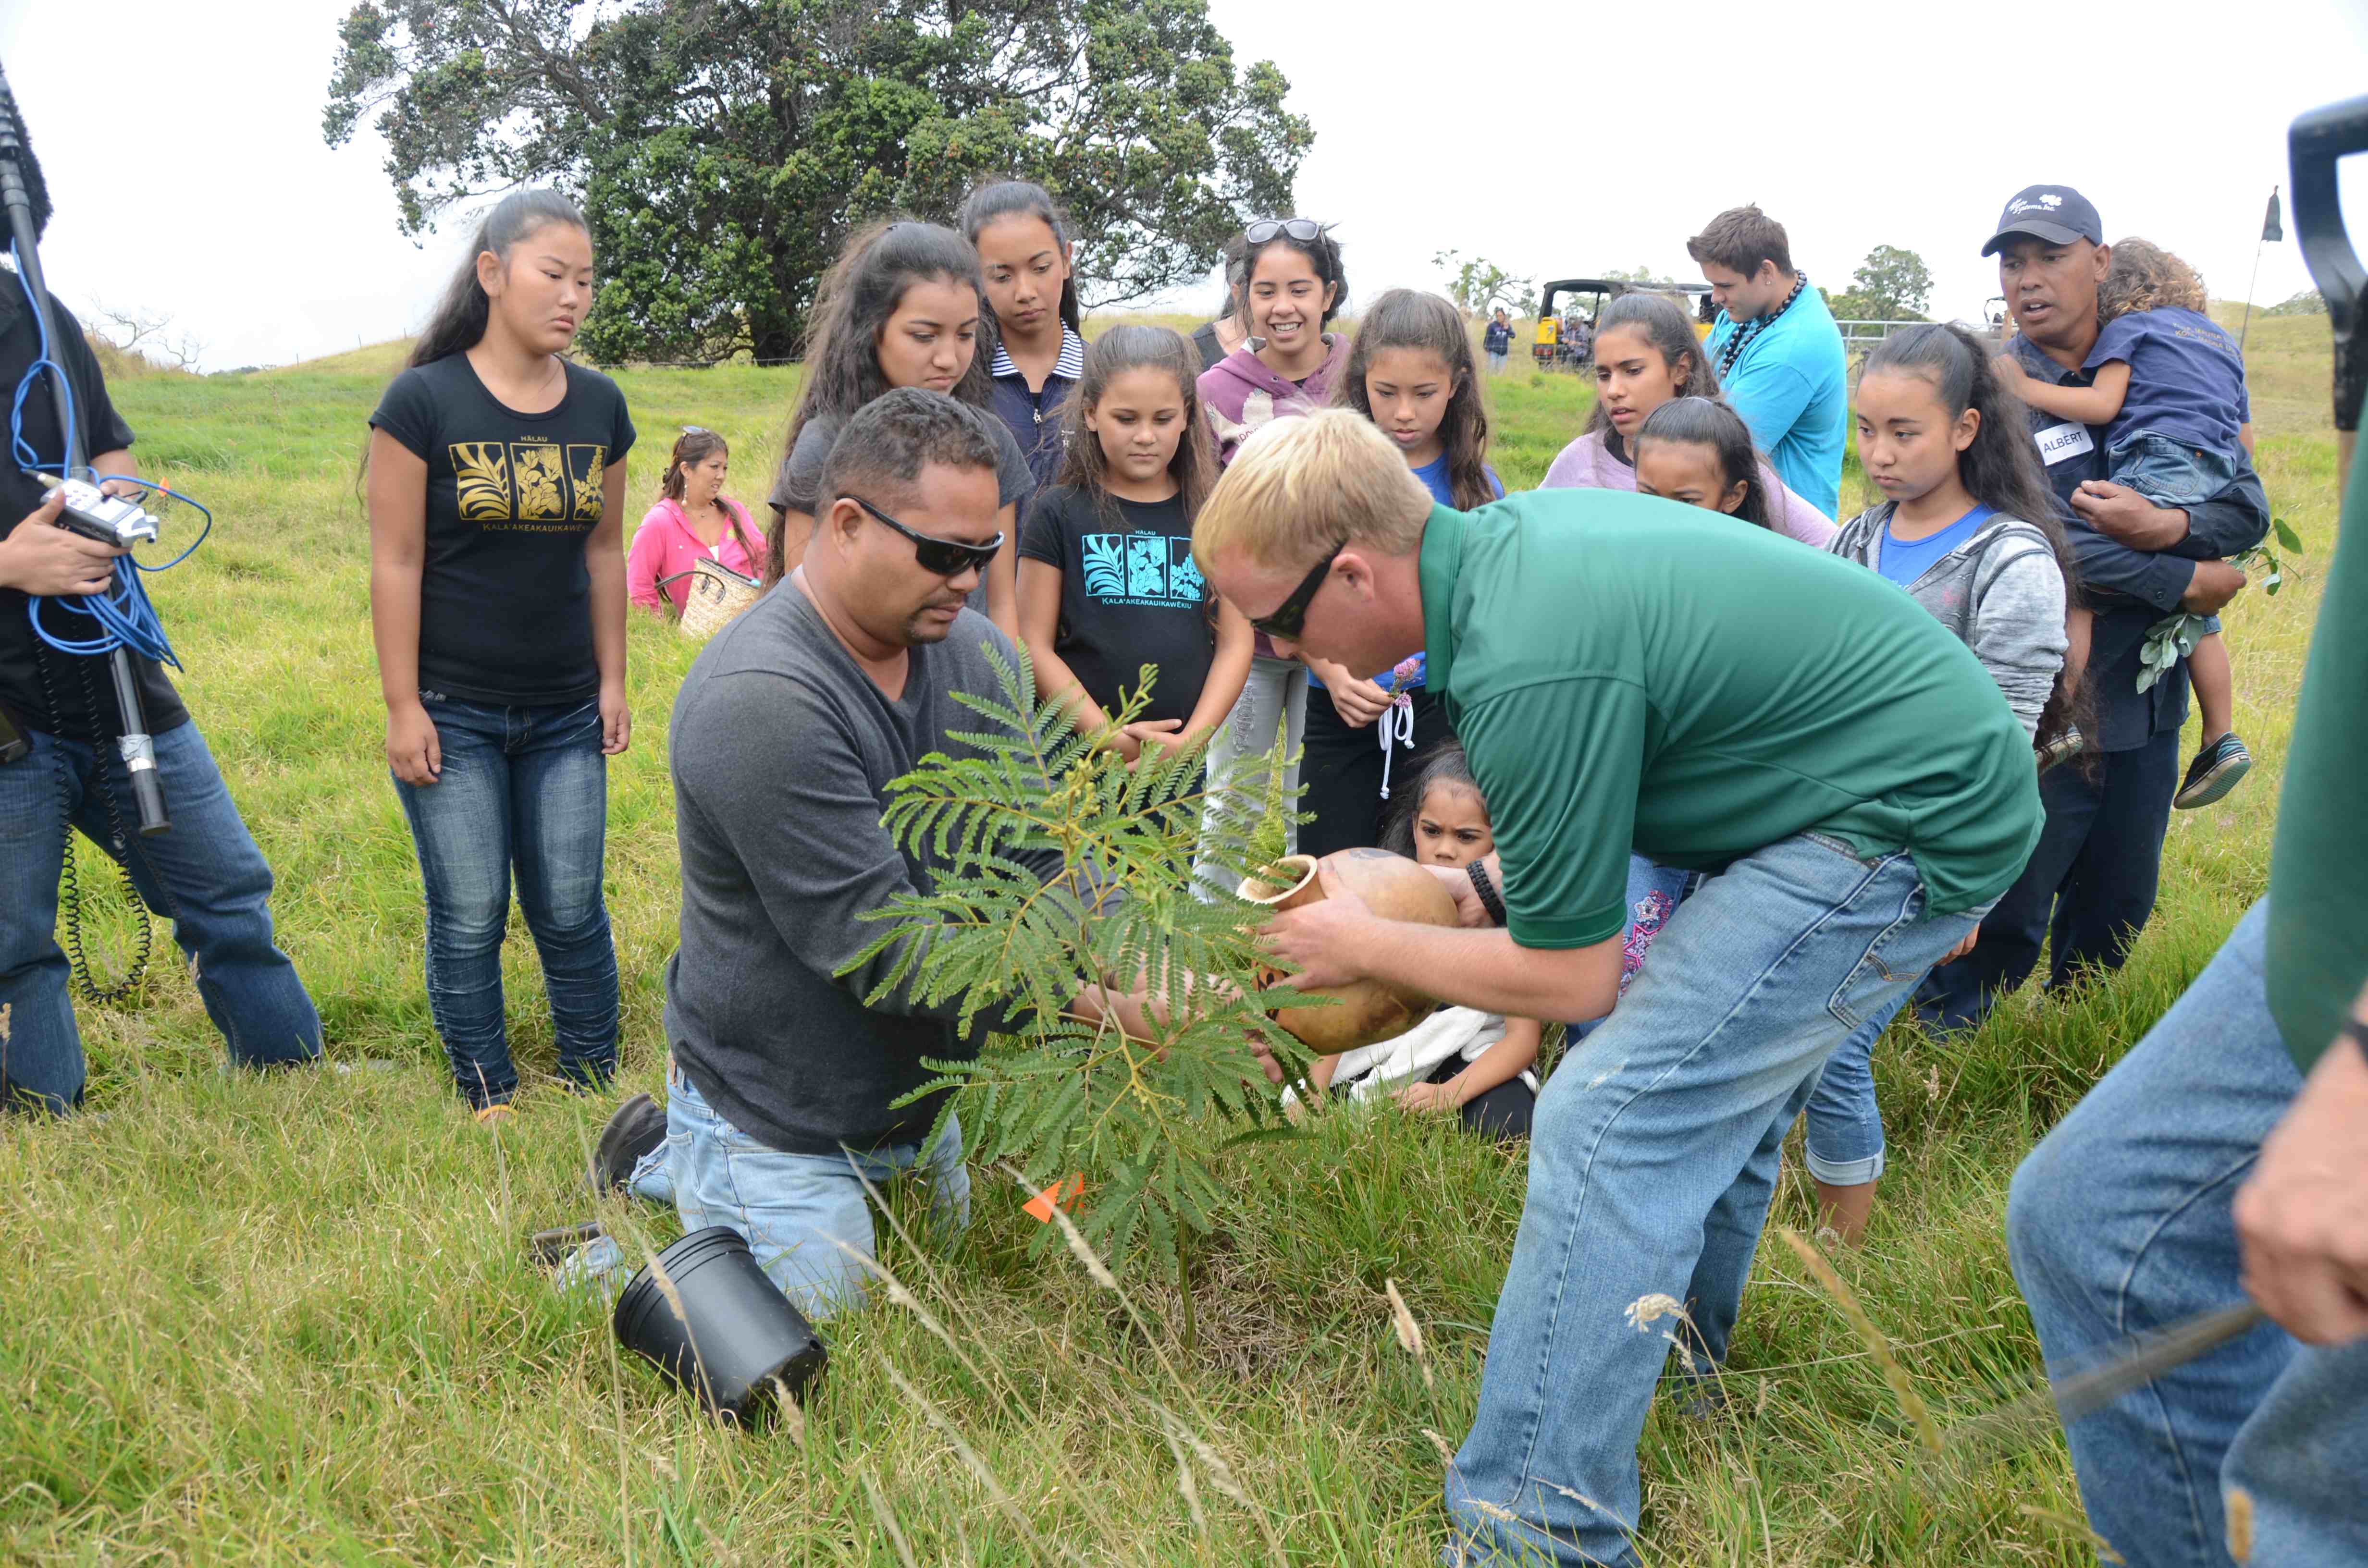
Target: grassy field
[290, 1320]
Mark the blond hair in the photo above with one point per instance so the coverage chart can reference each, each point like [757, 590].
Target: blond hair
[2145, 276]
[1300, 486]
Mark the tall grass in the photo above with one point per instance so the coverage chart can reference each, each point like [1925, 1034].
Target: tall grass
[290, 1320]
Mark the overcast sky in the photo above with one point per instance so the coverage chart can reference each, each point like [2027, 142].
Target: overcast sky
[1557, 140]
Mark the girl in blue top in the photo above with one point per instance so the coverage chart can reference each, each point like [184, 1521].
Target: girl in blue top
[1412, 372]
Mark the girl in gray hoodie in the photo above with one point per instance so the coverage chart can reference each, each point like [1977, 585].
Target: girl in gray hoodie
[1967, 526]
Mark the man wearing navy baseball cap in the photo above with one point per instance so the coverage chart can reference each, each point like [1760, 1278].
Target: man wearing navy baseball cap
[2055, 214]
[2090, 884]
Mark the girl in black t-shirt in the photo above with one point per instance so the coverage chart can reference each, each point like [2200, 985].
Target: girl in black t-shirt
[902, 308]
[497, 602]
[1106, 579]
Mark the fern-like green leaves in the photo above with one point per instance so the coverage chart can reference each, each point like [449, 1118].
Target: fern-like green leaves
[1058, 866]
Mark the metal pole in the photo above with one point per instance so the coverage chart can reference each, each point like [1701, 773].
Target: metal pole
[138, 751]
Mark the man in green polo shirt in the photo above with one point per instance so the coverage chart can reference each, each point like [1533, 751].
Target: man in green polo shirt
[1629, 674]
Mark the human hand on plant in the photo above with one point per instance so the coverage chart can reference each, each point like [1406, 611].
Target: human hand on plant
[1325, 941]
[1359, 702]
[1427, 1096]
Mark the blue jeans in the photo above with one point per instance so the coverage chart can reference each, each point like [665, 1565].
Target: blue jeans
[1651, 1164]
[794, 1210]
[1844, 1146]
[206, 876]
[2168, 470]
[2119, 1224]
[525, 787]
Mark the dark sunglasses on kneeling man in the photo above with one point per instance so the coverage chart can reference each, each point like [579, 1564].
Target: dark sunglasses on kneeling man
[946, 557]
[1290, 615]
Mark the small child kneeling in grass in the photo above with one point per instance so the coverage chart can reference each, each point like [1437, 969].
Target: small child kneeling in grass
[1479, 1063]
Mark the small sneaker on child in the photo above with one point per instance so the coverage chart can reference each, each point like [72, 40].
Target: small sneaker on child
[2217, 768]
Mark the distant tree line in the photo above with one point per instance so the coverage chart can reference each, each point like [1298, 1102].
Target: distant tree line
[723, 150]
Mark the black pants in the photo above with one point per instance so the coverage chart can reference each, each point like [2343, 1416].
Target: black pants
[1503, 1113]
[1342, 770]
[2087, 890]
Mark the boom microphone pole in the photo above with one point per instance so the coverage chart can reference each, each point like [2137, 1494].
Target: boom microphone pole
[138, 751]
[2318, 140]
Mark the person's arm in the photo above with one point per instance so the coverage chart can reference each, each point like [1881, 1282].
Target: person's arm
[1771, 398]
[1338, 940]
[1502, 1062]
[2100, 403]
[2018, 631]
[1002, 580]
[1039, 625]
[1359, 702]
[398, 531]
[1562, 873]
[604, 559]
[641, 562]
[2231, 522]
[2302, 1216]
[1229, 671]
[2107, 565]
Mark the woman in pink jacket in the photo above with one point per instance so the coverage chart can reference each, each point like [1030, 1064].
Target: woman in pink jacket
[693, 520]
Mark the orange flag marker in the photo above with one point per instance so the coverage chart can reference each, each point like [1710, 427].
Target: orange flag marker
[1065, 1193]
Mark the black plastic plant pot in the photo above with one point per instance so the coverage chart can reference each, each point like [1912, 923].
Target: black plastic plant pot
[736, 1341]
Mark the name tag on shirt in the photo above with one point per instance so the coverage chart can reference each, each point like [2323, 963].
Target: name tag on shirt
[2068, 440]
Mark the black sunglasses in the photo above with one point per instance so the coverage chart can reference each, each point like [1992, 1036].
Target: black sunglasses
[1307, 231]
[946, 557]
[1290, 615]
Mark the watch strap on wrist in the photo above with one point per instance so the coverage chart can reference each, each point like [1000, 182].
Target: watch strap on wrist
[1478, 872]
[2355, 1031]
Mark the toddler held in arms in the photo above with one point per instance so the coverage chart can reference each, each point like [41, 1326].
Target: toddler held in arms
[1479, 1064]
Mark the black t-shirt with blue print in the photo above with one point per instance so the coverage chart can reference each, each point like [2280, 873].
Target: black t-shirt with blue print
[1129, 596]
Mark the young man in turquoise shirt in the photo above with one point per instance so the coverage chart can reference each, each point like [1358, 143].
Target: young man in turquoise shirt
[1778, 352]
[1627, 673]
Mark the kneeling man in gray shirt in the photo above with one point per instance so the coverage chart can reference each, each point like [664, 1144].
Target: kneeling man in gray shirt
[788, 730]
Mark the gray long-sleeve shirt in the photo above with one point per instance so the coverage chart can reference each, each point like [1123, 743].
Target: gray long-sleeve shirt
[2001, 593]
[782, 750]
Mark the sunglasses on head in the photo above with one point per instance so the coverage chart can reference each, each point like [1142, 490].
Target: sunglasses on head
[1290, 615]
[946, 557]
[1307, 231]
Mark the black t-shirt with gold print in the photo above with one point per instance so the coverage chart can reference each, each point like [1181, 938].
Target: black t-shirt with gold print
[505, 593]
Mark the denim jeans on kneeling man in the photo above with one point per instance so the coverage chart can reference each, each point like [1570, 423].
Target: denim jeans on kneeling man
[794, 1210]
[1651, 1164]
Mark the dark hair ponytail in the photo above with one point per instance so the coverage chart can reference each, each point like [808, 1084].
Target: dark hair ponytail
[458, 322]
[1406, 318]
[1706, 422]
[1670, 330]
[1084, 468]
[1020, 199]
[2001, 469]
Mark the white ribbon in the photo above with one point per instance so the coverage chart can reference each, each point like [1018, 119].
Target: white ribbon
[1399, 717]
